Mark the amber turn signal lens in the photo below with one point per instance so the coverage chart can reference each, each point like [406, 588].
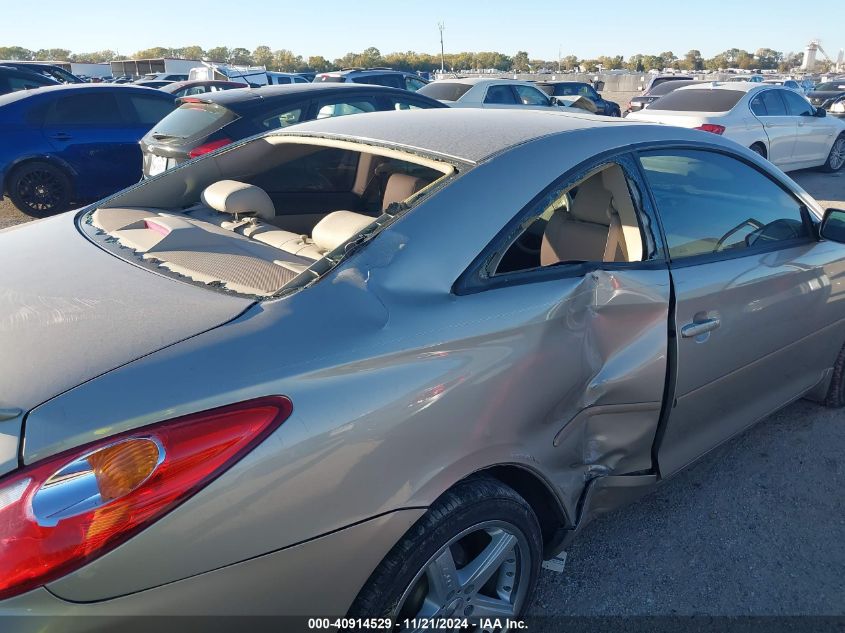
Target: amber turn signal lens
[120, 468]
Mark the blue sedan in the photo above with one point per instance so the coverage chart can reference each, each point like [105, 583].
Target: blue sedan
[73, 143]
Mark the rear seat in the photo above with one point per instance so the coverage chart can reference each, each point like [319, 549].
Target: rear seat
[248, 204]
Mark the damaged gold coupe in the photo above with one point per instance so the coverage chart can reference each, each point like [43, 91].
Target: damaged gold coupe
[384, 365]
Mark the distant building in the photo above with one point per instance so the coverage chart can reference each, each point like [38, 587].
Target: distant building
[141, 67]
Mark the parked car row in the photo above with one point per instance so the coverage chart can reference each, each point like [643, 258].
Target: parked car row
[772, 120]
[384, 365]
[75, 143]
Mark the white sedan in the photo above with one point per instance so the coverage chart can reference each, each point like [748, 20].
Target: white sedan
[777, 123]
[479, 92]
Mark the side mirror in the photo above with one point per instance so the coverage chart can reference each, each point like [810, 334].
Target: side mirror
[598, 85]
[820, 113]
[833, 226]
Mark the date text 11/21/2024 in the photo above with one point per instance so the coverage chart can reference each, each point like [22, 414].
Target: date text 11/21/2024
[417, 624]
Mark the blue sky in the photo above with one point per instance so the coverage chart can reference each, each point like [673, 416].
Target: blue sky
[332, 28]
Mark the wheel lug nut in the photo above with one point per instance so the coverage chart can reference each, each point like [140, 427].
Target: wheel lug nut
[468, 611]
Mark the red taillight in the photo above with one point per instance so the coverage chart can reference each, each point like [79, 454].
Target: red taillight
[711, 127]
[67, 510]
[205, 148]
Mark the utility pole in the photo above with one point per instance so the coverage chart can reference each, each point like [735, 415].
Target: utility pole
[442, 26]
[558, 58]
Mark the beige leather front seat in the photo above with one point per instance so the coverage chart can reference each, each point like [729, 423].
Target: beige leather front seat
[400, 187]
[590, 231]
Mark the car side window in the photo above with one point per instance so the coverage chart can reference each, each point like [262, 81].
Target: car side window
[403, 104]
[596, 218]
[413, 84]
[15, 82]
[771, 103]
[150, 111]
[392, 81]
[98, 108]
[281, 119]
[758, 108]
[531, 96]
[712, 203]
[797, 105]
[500, 95]
[326, 110]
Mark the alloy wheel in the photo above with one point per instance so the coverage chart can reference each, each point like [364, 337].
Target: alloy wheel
[40, 190]
[482, 573]
[837, 154]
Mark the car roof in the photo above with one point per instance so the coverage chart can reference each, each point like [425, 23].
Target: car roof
[349, 71]
[261, 94]
[556, 83]
[742, 86]
[463, 133]
[86, 87]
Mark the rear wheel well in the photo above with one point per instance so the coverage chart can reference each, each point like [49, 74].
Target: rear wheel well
[762, 149]
[553, 520]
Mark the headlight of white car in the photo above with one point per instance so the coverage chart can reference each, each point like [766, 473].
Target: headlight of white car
[838, 107]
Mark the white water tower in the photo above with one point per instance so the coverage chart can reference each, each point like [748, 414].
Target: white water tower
[809, 63]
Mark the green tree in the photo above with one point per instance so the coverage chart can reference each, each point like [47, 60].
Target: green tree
[153, 53]
[611, 63]
[520, 62]
[262, 56]
[218, 54]
[53, 54]
[768, 58]
[17, 53]
[692, 61]
[319, 64]
[286, 61]
[635, 63]
[190, 52]
[240, 56]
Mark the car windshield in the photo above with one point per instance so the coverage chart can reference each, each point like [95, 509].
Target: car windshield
[331, 78]
[698, 100]
[445, 90]
[831, 86]
[192, 120]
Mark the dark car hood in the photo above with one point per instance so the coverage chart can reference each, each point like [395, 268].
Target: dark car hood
[824, 95]
[69, 311]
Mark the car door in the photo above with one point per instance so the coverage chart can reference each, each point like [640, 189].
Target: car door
[91, 133]
[581, 294]
[500, 96]
[814, 135]
[757, 307]
[770, 109]
[532, 97]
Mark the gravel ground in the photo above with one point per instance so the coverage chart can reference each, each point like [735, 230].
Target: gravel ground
[755, 528]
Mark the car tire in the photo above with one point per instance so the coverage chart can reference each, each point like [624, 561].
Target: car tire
[836, 159]
[39, 189]
[759, 148]
[466, 525]
[835, 398]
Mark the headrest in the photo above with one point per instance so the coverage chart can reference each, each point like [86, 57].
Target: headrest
[231, 196]
[592, 202]
[337, 227]
[399, 187]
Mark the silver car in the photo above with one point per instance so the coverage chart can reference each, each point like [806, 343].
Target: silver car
[384, 365]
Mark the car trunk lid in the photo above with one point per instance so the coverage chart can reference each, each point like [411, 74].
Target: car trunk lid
[70, 311]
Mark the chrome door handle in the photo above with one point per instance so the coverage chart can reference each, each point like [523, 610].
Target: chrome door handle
[691, 330]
